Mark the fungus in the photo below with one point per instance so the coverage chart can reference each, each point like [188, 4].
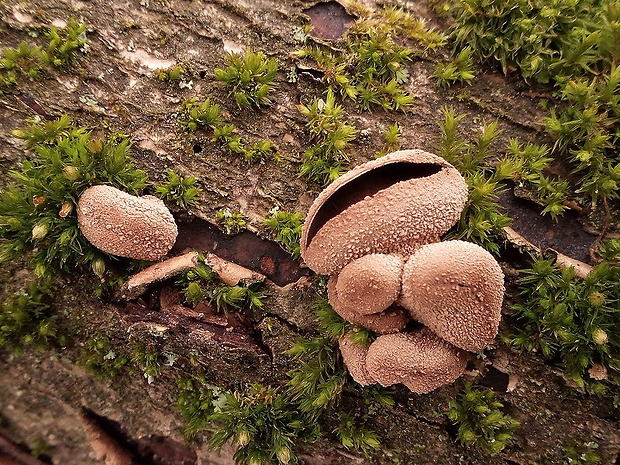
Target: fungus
[369, 284]
[420, 360]
[354, 357]
[393, 204]
[456, 289]
[125, 225]
[391, 320]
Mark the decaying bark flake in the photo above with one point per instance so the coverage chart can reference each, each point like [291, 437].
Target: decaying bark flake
[103, 444]
[563, 261]
[11, 454]
[138, 283]
[231, 273]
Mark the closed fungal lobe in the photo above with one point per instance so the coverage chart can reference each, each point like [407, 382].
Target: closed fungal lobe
[124, 225]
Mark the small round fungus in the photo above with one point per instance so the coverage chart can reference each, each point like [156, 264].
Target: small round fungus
[354, 357]
[456, 289]
[391, 320]
[419, 360]
[393, 204]
[369, 284]
[125, 225]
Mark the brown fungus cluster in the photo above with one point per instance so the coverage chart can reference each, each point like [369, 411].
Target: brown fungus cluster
[125, 225]
[376, 232]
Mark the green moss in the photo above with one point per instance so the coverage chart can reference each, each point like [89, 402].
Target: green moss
[149, 360]
[285, 227]
[202, 283]
[483, 219]
[249, 78]
[569, 320]
[38, 210]
[232, 222]
[207, 115]
[580, 36]
[369, 66]
[27, 320]
[67, 44]
[480, 421]
[204, 115]
[579, 55]
[173, 74]
[460, 69]
[391, 139]
[267, 424]
[101, 359]
[581, 453]
[64, 48]
[178, 190]
[586, 130]
[264, 425]
[327, 159]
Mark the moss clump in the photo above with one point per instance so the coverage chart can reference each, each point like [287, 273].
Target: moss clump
[285, 227]
[460, 69]
[483, 219]
[571, 321]
[38, 210]
[202, 283]
[266, 424]
[370, 64]
[173, 74]
[101, 359]
[391, 139]
[207, 115]
[580, 36]
[327, 159]
[249, 77]
[67, 44]
[178, 190]
[149, 360]
[27, 320]
[64, 48]
[232, 222]
[586, 131]
[581, 453]
[480, 421]
[579, 54]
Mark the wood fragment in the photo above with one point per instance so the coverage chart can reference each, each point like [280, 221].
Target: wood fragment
[138, 283]
[231, 273]
[563, 261]
[104, 445]
[11, 454]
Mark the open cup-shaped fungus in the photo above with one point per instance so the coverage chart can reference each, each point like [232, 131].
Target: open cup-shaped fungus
[393, 205]
[125, 225]
[376, 232]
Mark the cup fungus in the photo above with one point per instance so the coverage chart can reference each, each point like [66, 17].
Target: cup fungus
[354, 357]
[420, 360]
[125, 225]
[391, 205]
[376, 232]
[391, 320]
[456, 289]
[369, 284]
